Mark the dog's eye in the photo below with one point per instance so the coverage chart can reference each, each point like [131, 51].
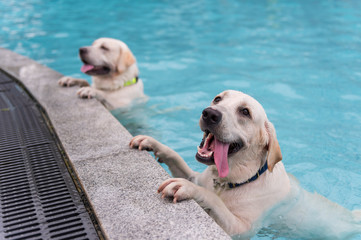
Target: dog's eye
[245, 112]
[217, 99]
[104, 48]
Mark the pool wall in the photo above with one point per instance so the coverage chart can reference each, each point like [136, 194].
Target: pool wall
[119, 183]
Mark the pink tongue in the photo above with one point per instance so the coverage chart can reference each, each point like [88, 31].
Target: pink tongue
[220, 158]
[86, 67]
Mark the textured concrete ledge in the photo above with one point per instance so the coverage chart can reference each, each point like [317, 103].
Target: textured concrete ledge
[119, 182]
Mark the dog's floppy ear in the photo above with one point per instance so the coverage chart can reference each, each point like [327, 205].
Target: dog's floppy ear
[129, 58]
[126, 60]
[274, 151]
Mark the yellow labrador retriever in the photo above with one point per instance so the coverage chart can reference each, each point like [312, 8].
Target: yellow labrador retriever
[246, 188]
[114, 73]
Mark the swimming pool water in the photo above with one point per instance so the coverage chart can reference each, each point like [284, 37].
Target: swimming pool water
[300, 59]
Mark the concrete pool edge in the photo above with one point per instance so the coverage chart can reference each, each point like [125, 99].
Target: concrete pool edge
[119, 182]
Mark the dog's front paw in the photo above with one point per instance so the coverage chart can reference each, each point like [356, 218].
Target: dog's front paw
[143, 142]
[87, 92]
[67, 81]
[178, 188]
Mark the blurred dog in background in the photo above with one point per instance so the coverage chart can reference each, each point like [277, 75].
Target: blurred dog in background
[114, 74]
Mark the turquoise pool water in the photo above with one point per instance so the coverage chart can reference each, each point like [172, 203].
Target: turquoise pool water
[300, 59]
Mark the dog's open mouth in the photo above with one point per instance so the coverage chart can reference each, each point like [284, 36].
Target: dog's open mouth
[212, 151]
[94, 70]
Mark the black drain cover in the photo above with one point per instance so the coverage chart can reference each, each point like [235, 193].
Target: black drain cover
[38, 198]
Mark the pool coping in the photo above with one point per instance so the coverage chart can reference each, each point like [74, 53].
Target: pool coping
[120, 183]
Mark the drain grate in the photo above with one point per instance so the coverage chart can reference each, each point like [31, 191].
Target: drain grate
[38, 198]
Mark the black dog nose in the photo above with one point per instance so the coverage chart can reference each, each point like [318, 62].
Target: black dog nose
[83, 50]
[211, 116]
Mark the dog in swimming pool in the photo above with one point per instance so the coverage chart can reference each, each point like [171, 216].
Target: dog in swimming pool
[114, 74]
[246, 188]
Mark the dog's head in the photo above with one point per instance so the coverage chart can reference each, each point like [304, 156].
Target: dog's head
[236, 128]
[106, 56]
